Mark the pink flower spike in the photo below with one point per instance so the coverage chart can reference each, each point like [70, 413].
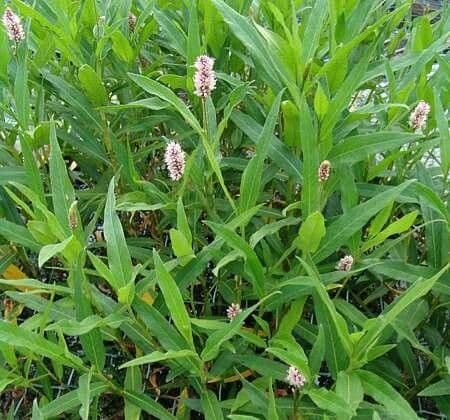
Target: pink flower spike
[233, 311]
[205, 77]
[418, 118]
[295, 378]
[13, 25]
[345, 263]
[175, 160]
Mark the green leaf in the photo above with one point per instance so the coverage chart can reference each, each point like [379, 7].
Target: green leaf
[173, 298]
[118, 253]
[84, 394]
[354, 149]
[251, 178]
[69, 401]
[147, 404]
[278, 151]
[272, 412]
[36, 411]
[33, 175]
[442, 125]
[155, 88]
[157, 356]
[21, 92]
[92, 85]
[35, 284]
[311, 233]
[133, 382]
[399, 226]
[180, 246]
[380, 220]
[18, 173]
[253, 264]
[250, 37]
[91, 341]
[49, 251]
[339, 347]
[18, 234]
[377, 325]
[439, 388]
[436, 234]
[125, 294]
[122, 47]
[63, 194]
[271, 229]
[321, 102]
[182, 222]
[385, 394]
[328, 400]
[193, 44]
[317, 352]
[292, 355]
[172, 31]
[16, 336]
[345, 226]
[210, 406]
[313, 30]
[216, 339]
[104, 271]
[349, 388]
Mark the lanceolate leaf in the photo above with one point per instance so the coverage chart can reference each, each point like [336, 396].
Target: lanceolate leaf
[62, 191]
[251, 178]
[360, 147]
[157, 89]
[277, 150]
[345, 226]
[148, 404]
[118, 253]
[173, 298]
[386, 395]
[16, 336]
[253, 264]
[92, 341]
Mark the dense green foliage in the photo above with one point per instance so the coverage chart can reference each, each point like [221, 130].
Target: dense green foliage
[116, 279]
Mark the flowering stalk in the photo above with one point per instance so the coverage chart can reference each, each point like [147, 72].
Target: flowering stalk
[297, 381]
[205, 83]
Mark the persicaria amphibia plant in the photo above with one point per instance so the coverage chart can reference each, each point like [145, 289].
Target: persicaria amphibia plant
[271, 246]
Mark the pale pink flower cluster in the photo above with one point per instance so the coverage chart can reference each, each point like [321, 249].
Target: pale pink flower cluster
[418, 118]
[324, 170]
[13, 25]
[205, 77]
[233, 311]
[174, 158]
[295, 378]
[345, 263]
